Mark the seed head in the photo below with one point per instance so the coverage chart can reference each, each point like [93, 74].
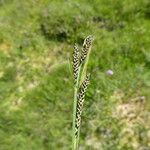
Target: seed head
[86, 46]
[80, 101]
[75, 62]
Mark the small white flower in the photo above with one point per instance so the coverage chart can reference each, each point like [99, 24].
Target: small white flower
[142, 98]
[109, 72]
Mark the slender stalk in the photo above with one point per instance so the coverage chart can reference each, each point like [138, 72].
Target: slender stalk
[74, 139]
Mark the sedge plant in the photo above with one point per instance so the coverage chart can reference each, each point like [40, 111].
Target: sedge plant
[81, 82]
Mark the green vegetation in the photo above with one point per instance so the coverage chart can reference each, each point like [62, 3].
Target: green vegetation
[81, 82]
[36, 94]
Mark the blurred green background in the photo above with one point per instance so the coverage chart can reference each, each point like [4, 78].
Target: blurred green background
[36, 86]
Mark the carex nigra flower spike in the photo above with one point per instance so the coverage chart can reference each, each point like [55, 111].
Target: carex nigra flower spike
[80, 101]
[75, 63]
[86, 46]
[81, 81]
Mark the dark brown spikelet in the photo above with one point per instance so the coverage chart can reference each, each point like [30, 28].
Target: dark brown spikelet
[75, 62]
[86, 46]
[80, 101]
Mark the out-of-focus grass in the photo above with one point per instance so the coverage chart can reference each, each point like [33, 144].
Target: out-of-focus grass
[36, 38]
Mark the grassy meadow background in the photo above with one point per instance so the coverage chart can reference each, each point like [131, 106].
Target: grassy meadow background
[36, 85]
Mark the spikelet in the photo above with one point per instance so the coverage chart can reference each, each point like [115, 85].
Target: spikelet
[80, 101]
[75, 62]
[86, 46]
